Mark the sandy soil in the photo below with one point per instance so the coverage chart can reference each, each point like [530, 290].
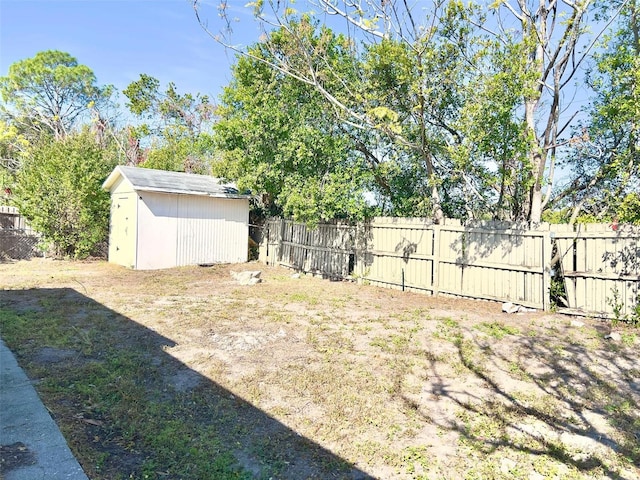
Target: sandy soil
[397, 385]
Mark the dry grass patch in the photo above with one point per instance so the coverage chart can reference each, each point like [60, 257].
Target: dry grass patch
[184, 374]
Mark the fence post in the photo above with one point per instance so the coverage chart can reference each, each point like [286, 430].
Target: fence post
[547, 252]
[280, 240]
[263, 246]
[435, 267]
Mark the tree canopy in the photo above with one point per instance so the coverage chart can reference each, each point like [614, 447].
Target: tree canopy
[50, 94]
[605, 164]
[176, 126]
[468, 106]
[278, 137]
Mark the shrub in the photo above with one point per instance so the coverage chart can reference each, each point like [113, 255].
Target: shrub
[59, 190]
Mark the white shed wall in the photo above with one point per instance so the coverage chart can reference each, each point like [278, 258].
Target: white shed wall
[211, 230]
[151, 230]
[157, 225]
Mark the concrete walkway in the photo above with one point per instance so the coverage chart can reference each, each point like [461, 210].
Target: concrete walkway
[31, 445]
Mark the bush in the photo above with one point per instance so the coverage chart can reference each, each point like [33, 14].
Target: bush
[59, 190]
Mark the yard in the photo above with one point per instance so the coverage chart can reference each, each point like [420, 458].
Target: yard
[183, 373]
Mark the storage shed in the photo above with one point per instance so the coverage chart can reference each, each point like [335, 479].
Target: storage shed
[163, 219]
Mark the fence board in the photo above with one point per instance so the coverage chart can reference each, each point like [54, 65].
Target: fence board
[490, 260]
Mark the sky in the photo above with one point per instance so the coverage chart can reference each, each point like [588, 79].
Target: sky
[120, 39]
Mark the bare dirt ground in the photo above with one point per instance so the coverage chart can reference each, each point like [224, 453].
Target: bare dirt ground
[339, 380]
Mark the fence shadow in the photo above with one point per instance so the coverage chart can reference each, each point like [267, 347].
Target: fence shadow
[125, 403]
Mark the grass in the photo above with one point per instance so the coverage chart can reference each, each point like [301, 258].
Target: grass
[497, 329]
[107, 390]
[181, 374]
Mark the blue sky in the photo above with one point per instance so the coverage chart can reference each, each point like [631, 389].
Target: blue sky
[120, 39]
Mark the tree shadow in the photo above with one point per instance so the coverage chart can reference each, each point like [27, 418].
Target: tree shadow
[489, 241]
[622, 258]
[574, 407]
[599, 270]
[130, 409]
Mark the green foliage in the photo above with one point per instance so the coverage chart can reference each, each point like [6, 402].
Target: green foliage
[629, 209]
[59, 191]
[191, 154]
[142, 94]
[12, 149]
[12, 142]
[492, 155]
[177, 126]
[606, 159]
[497, 329]
[277, 136]
[168, 109]
[560, 215]
[433, 111]
[50, 93]
[453, 115]
[617, 305]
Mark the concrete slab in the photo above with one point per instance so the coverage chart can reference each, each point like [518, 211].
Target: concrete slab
[27, 428]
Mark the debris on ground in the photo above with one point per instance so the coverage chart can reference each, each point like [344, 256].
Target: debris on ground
[509, 307]
[248, 277]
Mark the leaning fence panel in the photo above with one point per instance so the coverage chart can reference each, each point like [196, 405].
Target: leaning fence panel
[601, 269]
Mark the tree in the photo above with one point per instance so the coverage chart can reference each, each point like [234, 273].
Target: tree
[606, 157]
[428, 64]
[277, 137]
[176, 125]
[402, 144]
[49, 94]
[59, 190]
[12, 149]
[556, 41]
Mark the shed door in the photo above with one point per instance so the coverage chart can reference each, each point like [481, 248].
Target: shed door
[122, 236]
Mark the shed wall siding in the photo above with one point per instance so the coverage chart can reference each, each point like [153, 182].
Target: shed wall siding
[153, 230]
[211, 230]
[122, 186]
[157, 225]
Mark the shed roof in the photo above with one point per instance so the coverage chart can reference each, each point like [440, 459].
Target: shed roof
[162, 181]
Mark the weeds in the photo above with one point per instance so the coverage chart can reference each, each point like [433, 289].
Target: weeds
[617, 305]
[305, 379]
[497, 329]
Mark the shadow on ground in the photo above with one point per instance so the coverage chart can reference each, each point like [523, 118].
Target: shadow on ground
[129, 409]
[572, 403]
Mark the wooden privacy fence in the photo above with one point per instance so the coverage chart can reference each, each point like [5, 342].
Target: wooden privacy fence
[17, 240]
[601, 267]
[485, 260]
